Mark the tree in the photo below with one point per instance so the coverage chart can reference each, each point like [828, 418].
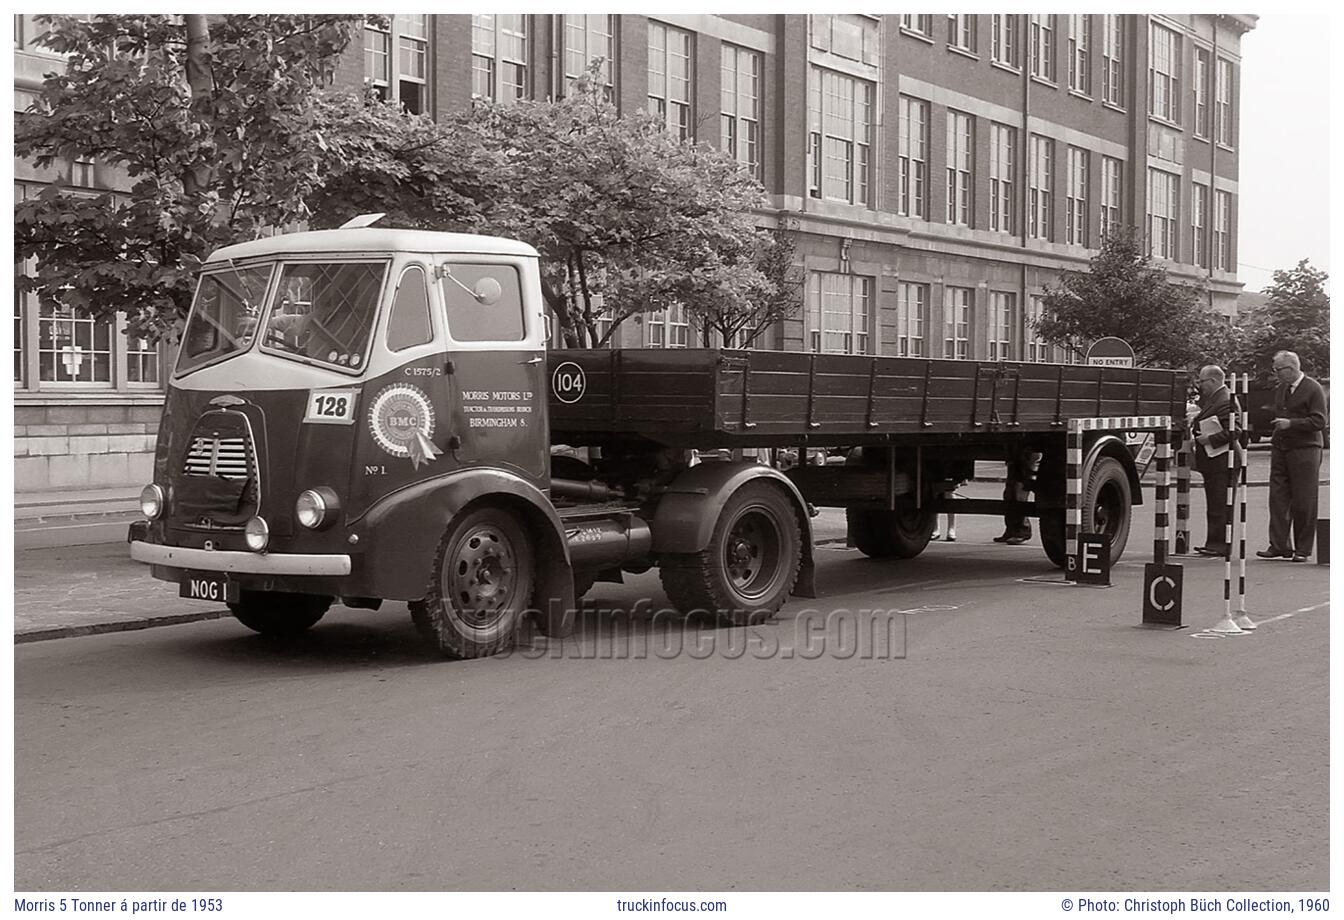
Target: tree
[215, 128]
[1296, 317]
[1125, 295]
[744, 319]
[628, 218]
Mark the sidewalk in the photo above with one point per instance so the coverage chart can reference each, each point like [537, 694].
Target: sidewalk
[74, 517]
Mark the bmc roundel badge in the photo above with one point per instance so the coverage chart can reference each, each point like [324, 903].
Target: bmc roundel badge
[568, 382]
[402, 421]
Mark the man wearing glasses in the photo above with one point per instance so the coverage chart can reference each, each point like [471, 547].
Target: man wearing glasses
[1211, 428]
[1295, 460]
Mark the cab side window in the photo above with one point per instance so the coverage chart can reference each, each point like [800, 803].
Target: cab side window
[409, 322]
[484, 302]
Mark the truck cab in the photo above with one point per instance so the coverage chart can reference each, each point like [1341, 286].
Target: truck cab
[339, 395]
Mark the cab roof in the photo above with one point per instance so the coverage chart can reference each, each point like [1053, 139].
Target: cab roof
[360, 240]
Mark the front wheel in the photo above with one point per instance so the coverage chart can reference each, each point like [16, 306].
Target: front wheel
[481, 585]
[749, 567]
[279, 613]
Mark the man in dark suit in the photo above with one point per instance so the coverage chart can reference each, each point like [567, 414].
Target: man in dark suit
[1211, 446]
[1295, 460]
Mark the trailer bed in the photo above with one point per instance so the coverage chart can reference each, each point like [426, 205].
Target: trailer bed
[724, 397]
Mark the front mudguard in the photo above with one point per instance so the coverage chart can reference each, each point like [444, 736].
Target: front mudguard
[401, 532]
[686, 514]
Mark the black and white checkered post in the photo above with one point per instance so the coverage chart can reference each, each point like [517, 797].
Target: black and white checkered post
[1241, 618]
[1162, 500]
[1183, 496]
[1227, 625]
[1073, 501]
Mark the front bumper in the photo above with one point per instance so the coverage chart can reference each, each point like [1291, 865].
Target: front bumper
[207, 560]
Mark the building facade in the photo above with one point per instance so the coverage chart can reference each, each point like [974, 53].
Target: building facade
[941, 170]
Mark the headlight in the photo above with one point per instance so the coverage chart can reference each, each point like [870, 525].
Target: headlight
[151, 501]
[257, 534]
[317, 508]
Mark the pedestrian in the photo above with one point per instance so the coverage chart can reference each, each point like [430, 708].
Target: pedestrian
[950, 534]
[1294, 461]
[1211, 428]
[1017, 481]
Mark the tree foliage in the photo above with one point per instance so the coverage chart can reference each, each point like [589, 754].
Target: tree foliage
[1296, 317]
[1125, 295]
[206, 168]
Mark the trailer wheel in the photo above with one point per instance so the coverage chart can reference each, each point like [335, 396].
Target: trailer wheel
[1107, 498]
[899, 534]
[749, 567]
[279, 613]
[481, 585]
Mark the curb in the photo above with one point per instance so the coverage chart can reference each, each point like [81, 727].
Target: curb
[94, 629]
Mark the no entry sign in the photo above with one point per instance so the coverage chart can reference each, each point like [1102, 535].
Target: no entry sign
[1110, 352]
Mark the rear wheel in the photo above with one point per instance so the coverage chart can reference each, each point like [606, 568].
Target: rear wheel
[279, 613]
[1108, 500]
[749, 567]
[481, 585]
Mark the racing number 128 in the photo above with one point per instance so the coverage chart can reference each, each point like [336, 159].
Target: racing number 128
[331, 406]
[334, 406]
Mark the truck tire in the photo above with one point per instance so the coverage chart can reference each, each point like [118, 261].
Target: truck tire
[899, 534]
[484, 573]
[1108, 499]
[279, 613]
[749, 567]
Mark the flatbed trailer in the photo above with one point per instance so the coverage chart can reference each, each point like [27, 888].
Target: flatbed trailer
[401, 431]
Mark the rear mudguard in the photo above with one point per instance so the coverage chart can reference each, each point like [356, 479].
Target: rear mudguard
[686, 514]
[400, 533]
[1108, 445]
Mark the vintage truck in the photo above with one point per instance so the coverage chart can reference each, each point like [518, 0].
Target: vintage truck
[373, 414]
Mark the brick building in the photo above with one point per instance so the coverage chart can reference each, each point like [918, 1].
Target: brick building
[942, 169]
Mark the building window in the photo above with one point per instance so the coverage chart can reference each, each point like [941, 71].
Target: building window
[1222, 230]
[1199, 222]
[1164, 80]
[921, 23]
[499, 56]
[19, 360]
[847, 35]
[740, 102]
[586, 39]
[668, 328]
[1080, 54]
[1111, 190]
[1041, 188]
[73, 349]
[1043, 46]
[1002, 319]
[1002, 166]
[912, 146]
[1076, 216]
[1223, 107]
[960, 147]
[912, 306]
[839, 313]
[670, 77]
[961, 31]
[1113, 59]
[82, 173]
[1005, 42]
[840, 114]
[142, 361]
[957, 305]
[1036, 348]
[1163, 204]
[407, 82]
[1201, 92]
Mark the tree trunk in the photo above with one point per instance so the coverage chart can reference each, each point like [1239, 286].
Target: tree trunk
[199, 82]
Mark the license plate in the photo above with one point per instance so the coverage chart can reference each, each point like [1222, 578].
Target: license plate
[208, 587]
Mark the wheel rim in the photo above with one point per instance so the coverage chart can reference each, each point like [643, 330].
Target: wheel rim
[752, 553]
[1107, 513]
[481, 577]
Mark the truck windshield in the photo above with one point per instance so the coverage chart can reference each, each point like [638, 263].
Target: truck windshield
[325, 311]
[224, 315]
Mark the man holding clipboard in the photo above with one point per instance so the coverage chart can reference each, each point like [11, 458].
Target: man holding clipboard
[1210, 427]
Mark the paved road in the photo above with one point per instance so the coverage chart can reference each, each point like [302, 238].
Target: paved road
[1032, 738]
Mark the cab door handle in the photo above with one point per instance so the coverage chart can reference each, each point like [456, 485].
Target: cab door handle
[536, 360]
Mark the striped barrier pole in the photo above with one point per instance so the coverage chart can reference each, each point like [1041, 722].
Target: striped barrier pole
[1241, 618]
[1073, 512]
[1163, 498]
[1227, 625]
[1183, 495]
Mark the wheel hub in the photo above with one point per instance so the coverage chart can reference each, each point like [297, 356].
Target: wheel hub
[482, 578]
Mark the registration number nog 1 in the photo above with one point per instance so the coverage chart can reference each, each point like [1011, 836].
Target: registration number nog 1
[330, 407]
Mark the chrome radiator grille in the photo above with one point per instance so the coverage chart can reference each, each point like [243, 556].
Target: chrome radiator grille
[226, 457]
